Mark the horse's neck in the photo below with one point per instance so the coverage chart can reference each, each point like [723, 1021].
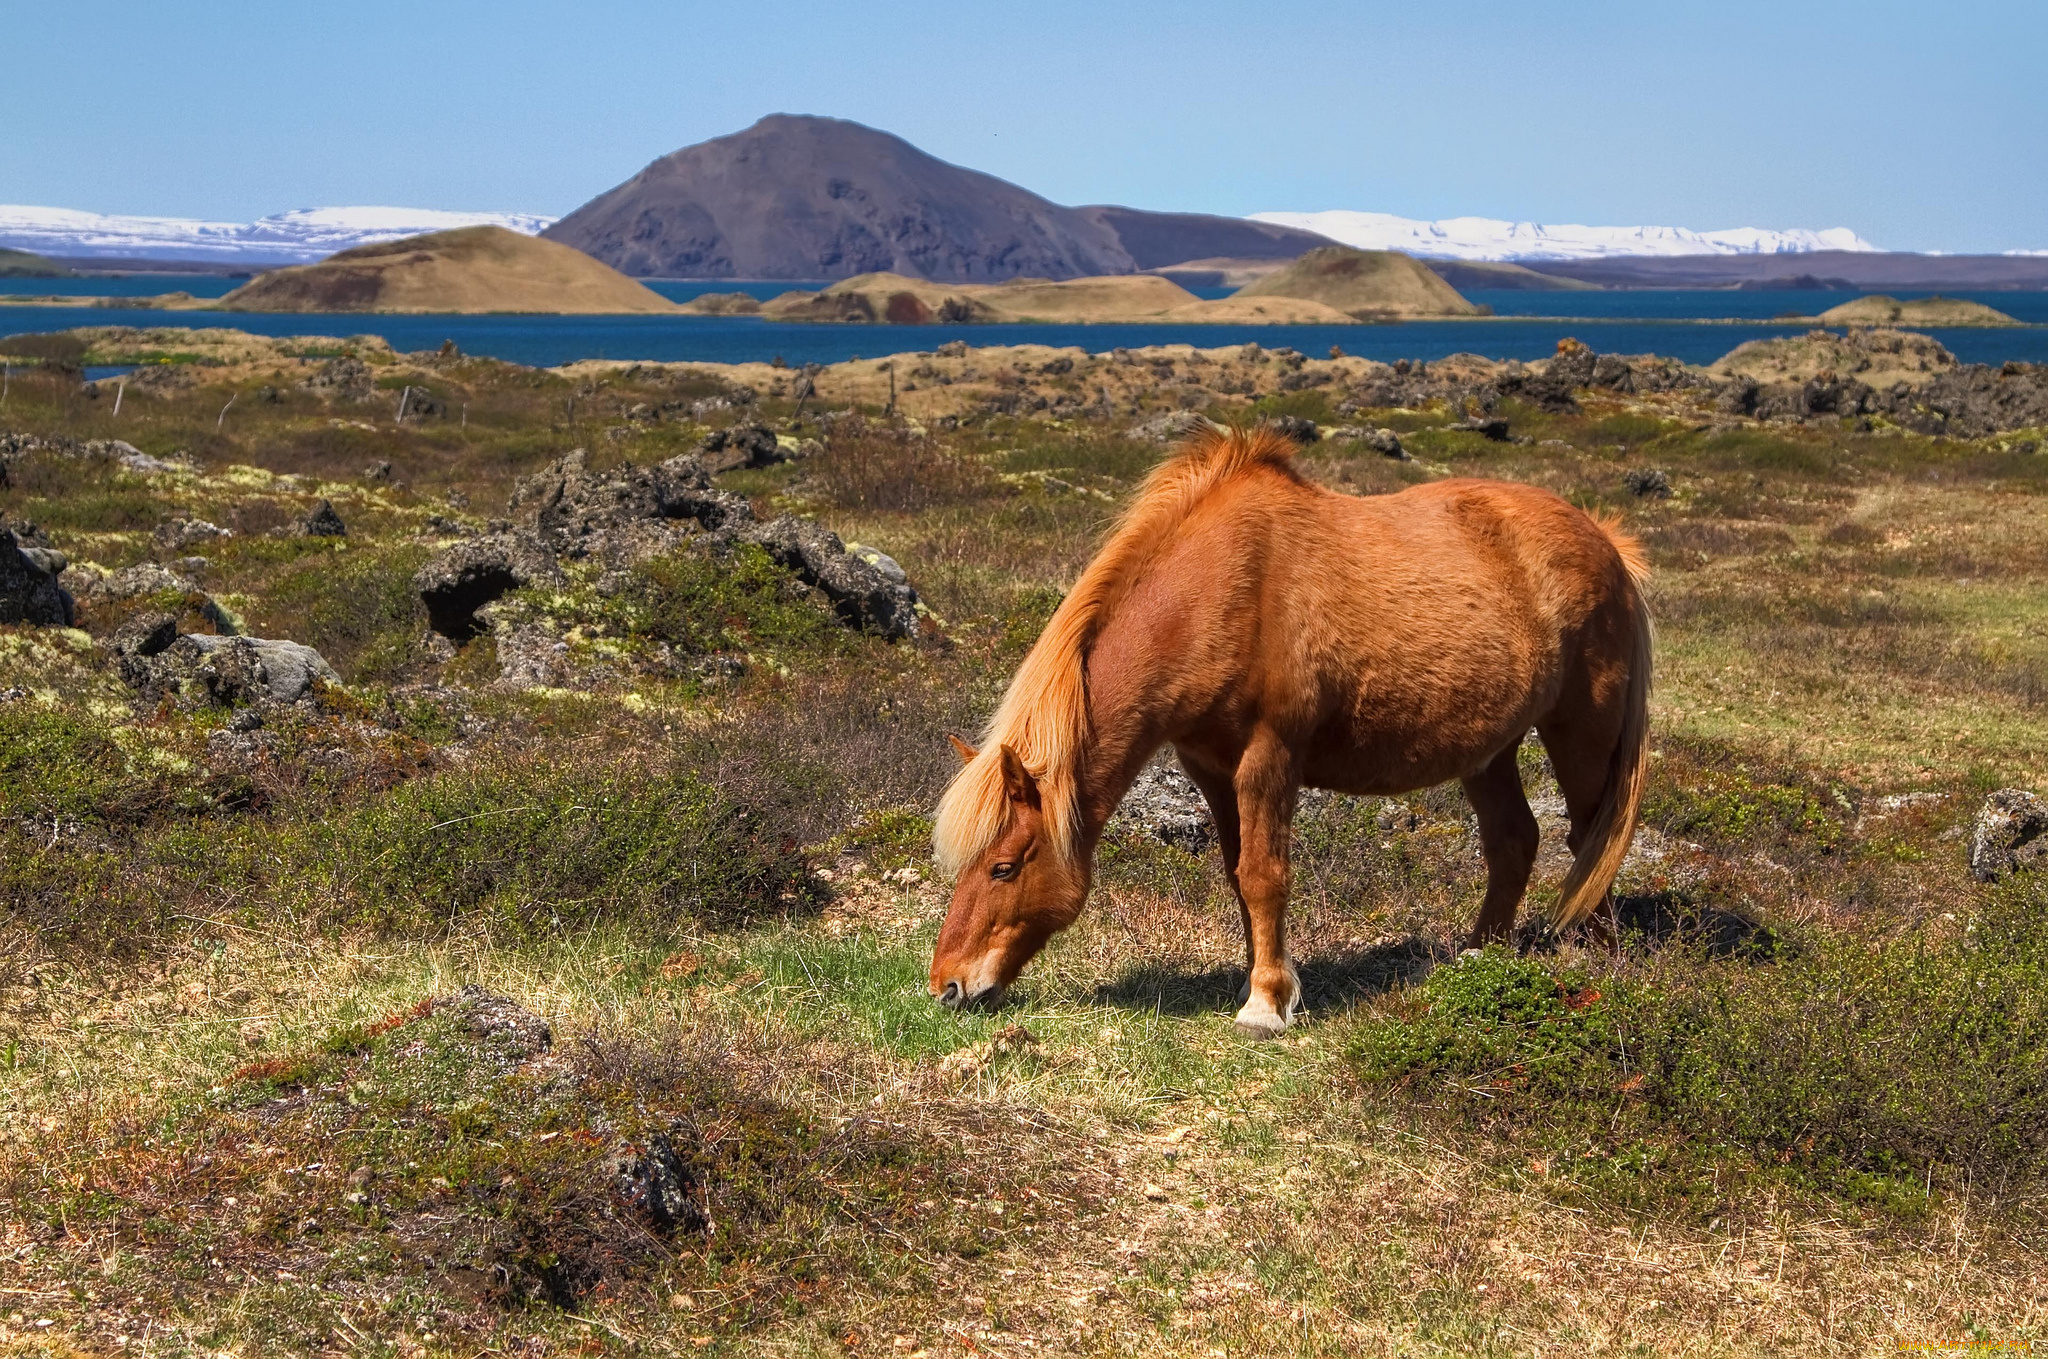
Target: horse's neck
[1124, 730]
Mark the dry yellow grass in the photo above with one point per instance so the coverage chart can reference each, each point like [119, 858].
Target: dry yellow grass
[1370, 284]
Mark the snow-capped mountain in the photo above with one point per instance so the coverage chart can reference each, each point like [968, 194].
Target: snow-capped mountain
[285, 238]
[1485, 238]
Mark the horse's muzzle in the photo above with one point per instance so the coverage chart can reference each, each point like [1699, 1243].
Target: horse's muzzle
[955, 997]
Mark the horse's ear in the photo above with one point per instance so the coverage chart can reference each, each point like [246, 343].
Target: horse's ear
[962, 749]
[1017, 780]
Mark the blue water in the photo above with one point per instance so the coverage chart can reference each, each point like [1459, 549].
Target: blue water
[1647, 321]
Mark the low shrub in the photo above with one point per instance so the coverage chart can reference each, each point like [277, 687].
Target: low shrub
[867, 465]
[542, 846]
[1880, 1073]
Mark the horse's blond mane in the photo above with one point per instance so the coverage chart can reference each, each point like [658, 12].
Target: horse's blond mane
[1044, 716]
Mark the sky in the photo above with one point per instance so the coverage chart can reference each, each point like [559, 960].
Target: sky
[1920, 126]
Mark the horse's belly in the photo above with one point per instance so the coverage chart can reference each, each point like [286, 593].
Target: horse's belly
[1395, 737]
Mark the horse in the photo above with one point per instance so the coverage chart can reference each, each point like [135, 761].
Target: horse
[1278, 634]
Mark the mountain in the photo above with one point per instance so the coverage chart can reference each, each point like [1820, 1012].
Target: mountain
[1485, 238]
[1158, 240]
[802, 197]
[1892, 271]
[1372, 285]
[285, 238]
[470, 269]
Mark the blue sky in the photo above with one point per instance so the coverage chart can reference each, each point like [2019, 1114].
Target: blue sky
[1922, 126]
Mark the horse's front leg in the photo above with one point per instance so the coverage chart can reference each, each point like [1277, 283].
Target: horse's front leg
[1220, 791]
[1265, 784]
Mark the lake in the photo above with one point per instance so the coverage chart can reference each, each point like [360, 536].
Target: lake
[1696, 326]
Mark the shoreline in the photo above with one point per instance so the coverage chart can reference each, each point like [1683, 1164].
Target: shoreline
[185, 302]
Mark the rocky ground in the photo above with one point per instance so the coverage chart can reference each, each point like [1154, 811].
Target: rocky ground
[464, 857]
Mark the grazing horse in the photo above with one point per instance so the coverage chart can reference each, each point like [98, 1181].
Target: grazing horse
[1278, 634]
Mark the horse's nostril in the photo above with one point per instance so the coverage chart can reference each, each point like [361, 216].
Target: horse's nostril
[950, 997]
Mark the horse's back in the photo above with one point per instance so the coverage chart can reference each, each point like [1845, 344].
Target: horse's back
[1414, 633]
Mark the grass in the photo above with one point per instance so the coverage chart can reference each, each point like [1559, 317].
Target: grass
[1799, 1113]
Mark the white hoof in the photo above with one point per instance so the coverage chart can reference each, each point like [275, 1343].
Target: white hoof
[1260, 1022]
[1259, 1019]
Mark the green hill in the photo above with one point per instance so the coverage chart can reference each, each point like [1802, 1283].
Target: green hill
[27, 264]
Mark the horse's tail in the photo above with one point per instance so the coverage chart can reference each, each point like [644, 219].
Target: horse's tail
[1614, 825]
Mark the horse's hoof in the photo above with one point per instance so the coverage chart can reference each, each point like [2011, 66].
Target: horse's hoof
[1260, 1024]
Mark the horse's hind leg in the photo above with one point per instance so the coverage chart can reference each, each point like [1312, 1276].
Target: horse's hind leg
[1508, 837]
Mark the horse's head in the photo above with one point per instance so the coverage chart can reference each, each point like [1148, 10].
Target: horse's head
[1010, 898]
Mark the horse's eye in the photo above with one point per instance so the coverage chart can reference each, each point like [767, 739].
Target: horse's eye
[1003, 872]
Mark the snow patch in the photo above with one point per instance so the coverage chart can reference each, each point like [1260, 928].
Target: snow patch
[1487, 238]
[297, 237]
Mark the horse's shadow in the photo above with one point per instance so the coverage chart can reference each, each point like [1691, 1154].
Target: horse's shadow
[1329, 981]
[1654, 921]
[1333, 982]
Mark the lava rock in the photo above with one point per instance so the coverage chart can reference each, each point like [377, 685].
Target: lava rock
[471, 574]
[1648, 483]
[1298, 428]
[347, 378]
[1165, 804]
[740, 446]
[577, 511]
[1612, 372]
[228, 671]
[30, 590]
[1386, 443]
[323, 522]
[2008, 836]
[661, 1187]
[1573, 365]
[144, 634]
[860, 592]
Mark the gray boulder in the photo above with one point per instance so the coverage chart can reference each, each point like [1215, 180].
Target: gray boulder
[473, 573]
[180, 534]
[2008, 837]
[1164, 429]
[230, 671]
[29, 587]
[862, 594]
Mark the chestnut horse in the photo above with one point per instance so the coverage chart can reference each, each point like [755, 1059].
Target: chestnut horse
[1278, 634]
